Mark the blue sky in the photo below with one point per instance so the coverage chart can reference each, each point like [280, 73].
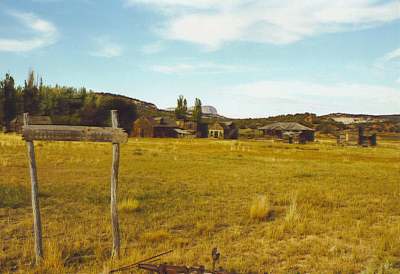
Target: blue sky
[248, 58]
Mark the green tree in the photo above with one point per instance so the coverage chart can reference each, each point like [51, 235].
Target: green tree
[181, 107]
[127, 112]
[31, 95]
[197, 111]
[9, 100]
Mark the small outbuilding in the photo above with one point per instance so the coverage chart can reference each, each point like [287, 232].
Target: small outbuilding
[223, 130]
[290, 131]
[17, 123]
[159, 127]
[143, 127]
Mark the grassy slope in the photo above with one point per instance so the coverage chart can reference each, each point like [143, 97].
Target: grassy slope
[196, 194]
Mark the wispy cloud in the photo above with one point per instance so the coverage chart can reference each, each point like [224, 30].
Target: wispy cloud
[395, 54]
[276, 97]
[44, 34]
[106, 48]
[213, 23]
[206, 67]
[390, 62]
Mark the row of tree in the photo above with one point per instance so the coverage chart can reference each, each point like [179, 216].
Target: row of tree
[181, 110]
[65, 105]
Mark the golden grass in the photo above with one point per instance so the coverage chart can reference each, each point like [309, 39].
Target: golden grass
[260, 208]
[129, 205]
[335, 209]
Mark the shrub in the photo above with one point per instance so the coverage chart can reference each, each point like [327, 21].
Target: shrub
[260, 209]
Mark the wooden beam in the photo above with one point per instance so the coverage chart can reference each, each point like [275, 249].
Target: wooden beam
[114, 187]
[37, 223]
[74, 133]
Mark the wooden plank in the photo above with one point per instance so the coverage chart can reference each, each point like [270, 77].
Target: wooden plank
[114, 187]
[37, 223]
[74, 133]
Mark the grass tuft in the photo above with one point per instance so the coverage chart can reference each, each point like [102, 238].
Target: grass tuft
[261, 208]
[14, 196]
[156, 236]
[292, 214]
[129, 205]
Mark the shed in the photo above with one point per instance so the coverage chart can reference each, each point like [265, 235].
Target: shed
[17, 123]
[216, 130]
[223, 130]
[284, 130]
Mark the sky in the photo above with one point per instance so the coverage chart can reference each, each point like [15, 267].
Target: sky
[248, 58]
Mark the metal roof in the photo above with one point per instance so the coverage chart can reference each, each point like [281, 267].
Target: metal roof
[286, 126]
[181, 131]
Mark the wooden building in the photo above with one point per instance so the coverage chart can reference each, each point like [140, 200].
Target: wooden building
[164, 127]
[143, 127]
[159, 127]
[199, 130]
[223, 130]
[366, 140]
[17, 123]
[289, 131]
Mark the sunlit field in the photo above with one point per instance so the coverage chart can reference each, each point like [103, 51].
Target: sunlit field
[316, 208]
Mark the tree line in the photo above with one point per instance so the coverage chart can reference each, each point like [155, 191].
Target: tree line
[65, 105]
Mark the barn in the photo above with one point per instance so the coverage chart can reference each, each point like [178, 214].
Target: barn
[17, 123]
[223, 130]
[289, 130]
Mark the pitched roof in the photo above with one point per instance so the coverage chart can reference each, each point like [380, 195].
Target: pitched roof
[182, 131]
[229, 123]
[288, 126]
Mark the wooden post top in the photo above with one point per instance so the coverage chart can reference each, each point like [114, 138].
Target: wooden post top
[75, 133]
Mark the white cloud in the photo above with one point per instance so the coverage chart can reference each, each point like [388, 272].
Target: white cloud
[277, 97]
[213, 23]
[45, 34]
[395, 54]
[106, 48]
[210, 68]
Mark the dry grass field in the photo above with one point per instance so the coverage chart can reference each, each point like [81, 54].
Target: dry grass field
[315, 208]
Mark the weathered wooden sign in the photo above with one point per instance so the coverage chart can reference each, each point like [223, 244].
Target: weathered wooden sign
[74, 133]
[113, 134]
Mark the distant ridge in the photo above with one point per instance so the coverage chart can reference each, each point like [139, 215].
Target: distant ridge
[150, 109]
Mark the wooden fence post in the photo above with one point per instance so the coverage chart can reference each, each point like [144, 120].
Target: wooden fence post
[114, 186]
[37, 224]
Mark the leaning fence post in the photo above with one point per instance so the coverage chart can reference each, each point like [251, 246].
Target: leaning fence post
[114, 186]
[37, 224]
